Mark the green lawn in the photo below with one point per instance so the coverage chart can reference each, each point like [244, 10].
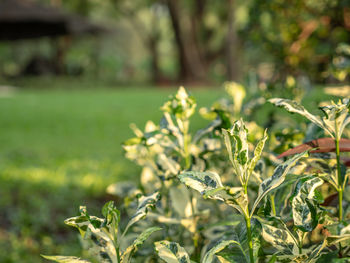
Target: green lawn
[59, 149]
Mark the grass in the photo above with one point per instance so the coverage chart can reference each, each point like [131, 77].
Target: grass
[60, 148]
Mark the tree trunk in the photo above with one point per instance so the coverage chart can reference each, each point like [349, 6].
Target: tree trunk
[231, 43]
[190, 62]
[155, 69]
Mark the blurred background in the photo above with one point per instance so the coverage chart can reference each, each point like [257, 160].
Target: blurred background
[75, 73]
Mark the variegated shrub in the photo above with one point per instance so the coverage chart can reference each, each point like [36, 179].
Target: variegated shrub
[221, 194]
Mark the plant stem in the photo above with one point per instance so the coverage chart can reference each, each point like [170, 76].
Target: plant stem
[300, 243]
[187, 157]
[273, 206]
[340, 181]
[118, 254]
[194, 222]
[187, 142]
[250, 241]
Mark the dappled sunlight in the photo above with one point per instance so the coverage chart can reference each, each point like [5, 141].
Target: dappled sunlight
[87, 174]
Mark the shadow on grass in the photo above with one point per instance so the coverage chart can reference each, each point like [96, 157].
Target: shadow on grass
[36, 200]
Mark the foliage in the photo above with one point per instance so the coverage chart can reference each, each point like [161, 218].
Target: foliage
[282, 209]
[305, 38]
[103, 236]
[340, 66]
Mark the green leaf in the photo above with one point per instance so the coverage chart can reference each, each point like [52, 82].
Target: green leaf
[210, 255]
[227, 139]
[304, 204]
[273, 259]
[341, 260]
[201, 181]
[181, 105]
[100, 234]
[210, 186]
[84, 221]
[111, 213]
[167, 164]
[145, 203]
[280, 239]
[171, 252]
[336, 117]
[276, 179]
[294, 107]
[303, 258]
[233, 196]
[239, 133]
[238, 149]
[257, 153]
[129, 251]
[65, 259]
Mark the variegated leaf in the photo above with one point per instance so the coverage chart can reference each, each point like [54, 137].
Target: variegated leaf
[345, 230]
[181, 105]
[239, 133]
[238, 149]
[168, 165]
[210, 186]
[83, 221]
[276, 179]
[304, 204]
[201, 181]
[65, 259]
[292, 258]
[336, 117]
[257, 153]
[127, 254]
[171, 252]
[111, 213]
[99, 233]
[167, 125]
[294, 107]
[233, 196]
[101, 244]
[145, 203]
[281, 239]
[227, 139]
[209, 257]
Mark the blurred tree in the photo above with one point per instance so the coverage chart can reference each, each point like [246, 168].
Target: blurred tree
[200, 28]
[203, 31]
[300, 36]
[145, 17]
[200, 41]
